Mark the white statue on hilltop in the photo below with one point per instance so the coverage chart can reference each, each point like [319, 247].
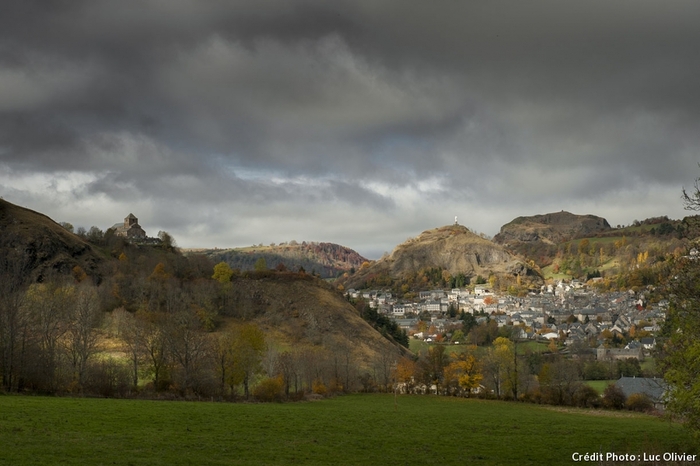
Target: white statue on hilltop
[456, 220]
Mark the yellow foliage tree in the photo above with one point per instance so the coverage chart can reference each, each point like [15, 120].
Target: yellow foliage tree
[247, 352]
[159, 273]
[642, 257]
[501, 361]
[466, 372]
[222, 273]
[405, 371]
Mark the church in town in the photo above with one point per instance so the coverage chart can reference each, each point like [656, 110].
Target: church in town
[130, 228]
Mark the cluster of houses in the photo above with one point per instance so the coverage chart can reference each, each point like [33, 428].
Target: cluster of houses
[568, 312]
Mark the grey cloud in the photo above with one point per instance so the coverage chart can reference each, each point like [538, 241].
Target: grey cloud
[505, 102]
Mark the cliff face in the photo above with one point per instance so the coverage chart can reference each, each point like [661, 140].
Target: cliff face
[551, 228]
[451, 248]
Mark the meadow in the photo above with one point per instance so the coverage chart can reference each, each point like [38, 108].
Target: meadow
[358, 429]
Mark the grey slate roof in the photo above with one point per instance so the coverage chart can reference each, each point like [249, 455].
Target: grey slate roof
[652, 387]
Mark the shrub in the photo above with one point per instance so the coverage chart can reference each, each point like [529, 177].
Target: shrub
[318, 387]
[270, 389]
[109, 378]
[336, 386]
[587, 397]
[613, 398]
[639, 402]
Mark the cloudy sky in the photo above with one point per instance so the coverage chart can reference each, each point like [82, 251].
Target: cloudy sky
[228, 123]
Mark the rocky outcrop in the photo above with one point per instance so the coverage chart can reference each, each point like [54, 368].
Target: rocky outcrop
[551, 228]
[454, 249]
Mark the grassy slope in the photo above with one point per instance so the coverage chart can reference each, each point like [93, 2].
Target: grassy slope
[357, 429]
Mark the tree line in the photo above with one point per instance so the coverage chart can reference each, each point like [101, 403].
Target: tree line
[150, 323]
[503, 371]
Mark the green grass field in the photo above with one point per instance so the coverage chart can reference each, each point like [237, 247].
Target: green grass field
[600, 385]
[347, 430]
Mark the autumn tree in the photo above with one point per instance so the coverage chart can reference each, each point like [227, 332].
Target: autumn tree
[222, 273]
[499, 364]
[583, 246]
[247, 352]
[405, 372]
[260, 265]
[465, 372]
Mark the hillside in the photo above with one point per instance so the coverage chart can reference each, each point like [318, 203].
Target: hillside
[42, 245]
[298, 311]
[568, 246]
[328, 260]
[451, 251]
[551, 228]
[164, 315]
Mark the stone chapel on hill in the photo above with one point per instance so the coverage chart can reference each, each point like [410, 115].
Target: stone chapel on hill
[130, 228]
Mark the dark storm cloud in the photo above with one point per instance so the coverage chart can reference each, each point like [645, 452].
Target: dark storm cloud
[348, 103]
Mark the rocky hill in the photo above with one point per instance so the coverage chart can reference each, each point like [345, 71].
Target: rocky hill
[453, 249]
[41, 245]
[551, 228]
[325, 259]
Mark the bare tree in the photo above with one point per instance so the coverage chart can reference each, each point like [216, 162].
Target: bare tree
[81, 340]
[223, 359]
[13, 273]
[691, 201]
[153, 341]
[132, 330]
[188, 346]
[287, 363]
[48, 305]
[383, 369]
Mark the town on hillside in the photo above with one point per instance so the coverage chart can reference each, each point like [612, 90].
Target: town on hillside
[620, 325]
